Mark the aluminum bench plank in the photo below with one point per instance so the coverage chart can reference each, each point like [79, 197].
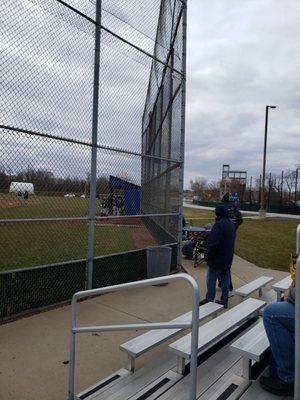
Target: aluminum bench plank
[255, 392]
[147, 341]
[143, 377]
[216, 329]
[283, 285]
[159, 386]
[221, 364]
[104, 384]
[251, 287]
[252, 344]
[231, 389]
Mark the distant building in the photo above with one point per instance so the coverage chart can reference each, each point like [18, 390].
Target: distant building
[232, 181]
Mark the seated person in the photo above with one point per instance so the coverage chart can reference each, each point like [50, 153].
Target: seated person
[279, 322]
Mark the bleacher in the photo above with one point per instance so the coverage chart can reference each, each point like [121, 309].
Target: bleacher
[230, 345]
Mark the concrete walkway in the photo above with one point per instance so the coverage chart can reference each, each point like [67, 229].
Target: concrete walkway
[254, 213]
[34, 351]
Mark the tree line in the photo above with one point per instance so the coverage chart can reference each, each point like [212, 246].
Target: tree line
[46, 182]
[280, 189]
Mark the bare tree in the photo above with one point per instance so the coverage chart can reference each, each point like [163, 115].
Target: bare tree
[199, 187]
[290, 180]
[213, 191]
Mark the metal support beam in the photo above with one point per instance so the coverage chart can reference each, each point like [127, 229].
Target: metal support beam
[130, 363]
[246, 368]
[93, 176]
[182, 138]
[180, 365]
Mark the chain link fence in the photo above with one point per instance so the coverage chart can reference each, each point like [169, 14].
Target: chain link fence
[92, 101]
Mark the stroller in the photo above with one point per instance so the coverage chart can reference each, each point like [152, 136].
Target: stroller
[200, 243]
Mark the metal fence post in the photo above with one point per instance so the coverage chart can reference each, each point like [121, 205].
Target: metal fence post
[92, 206]
[182, 138]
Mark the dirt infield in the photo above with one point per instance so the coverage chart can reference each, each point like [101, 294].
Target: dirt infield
[8, 203]
[142, 237]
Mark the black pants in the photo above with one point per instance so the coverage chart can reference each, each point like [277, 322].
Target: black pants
[231, 287]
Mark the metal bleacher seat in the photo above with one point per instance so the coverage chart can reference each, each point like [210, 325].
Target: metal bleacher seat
[246, 290]
[215, 330]
[141, 344]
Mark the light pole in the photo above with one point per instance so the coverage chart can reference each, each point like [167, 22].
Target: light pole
[262, 211]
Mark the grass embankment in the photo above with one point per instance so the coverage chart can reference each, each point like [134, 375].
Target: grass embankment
[24, 245]
[266, 243]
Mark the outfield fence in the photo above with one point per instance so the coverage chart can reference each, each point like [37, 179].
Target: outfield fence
[280, 209]
[93, 92]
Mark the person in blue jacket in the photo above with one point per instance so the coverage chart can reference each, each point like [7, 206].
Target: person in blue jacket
[219, 255]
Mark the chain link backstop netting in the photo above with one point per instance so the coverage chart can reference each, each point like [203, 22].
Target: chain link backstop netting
[91, 141]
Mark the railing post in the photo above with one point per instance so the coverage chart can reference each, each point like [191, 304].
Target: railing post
[72, 351]
[297, 328]
[194, 344]
[298, 240]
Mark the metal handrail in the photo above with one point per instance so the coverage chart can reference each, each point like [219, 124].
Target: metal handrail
[163, 325]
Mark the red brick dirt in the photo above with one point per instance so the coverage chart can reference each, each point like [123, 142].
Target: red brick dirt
[7, 203]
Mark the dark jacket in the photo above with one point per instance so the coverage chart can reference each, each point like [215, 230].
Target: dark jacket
[220, 247]
[236, 216]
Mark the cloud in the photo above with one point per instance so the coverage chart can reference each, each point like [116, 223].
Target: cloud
[241, 57]
[47, 86]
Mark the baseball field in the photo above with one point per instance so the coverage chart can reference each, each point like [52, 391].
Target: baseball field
[27, 244]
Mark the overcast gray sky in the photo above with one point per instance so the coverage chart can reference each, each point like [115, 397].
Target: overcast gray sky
[242, 55]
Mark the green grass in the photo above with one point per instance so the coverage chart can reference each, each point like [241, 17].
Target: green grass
[27, 245]
[205, 217]
[44, 207]
[266, 243]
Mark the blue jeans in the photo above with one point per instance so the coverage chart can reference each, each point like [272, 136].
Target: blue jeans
[211, 279]
[279, 321]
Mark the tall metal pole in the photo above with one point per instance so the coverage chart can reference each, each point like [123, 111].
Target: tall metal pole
[182, 138]
[92, 207]
[262, 211]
